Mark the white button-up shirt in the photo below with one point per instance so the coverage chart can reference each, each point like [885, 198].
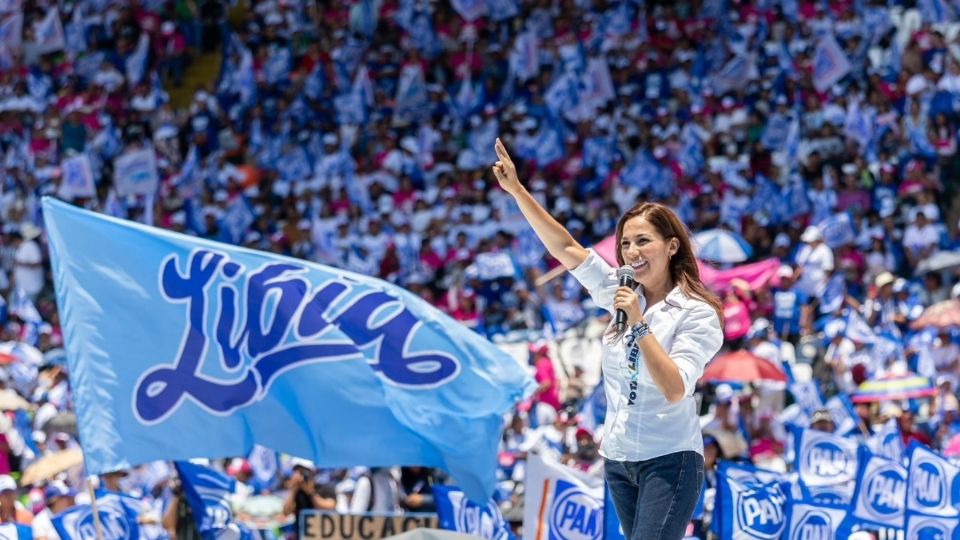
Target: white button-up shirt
[641, 424]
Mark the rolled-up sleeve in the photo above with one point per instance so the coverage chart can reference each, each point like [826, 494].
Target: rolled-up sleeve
[598, 278]
[697, 340]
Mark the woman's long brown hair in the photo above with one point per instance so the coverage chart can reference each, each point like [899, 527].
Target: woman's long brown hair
[683, 265]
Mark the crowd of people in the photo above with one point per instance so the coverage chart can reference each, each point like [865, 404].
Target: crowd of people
[359, 134]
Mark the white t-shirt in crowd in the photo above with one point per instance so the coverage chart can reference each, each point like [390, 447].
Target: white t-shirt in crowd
[25, 275]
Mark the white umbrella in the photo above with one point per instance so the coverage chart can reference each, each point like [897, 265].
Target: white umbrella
[939, 261]
[721, 246]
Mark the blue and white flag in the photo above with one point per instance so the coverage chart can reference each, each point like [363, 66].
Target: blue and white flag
[11, 32]
[457, 513]
[826, 464]
[118, 521]
[470, 10]
[881, 490]
[135, 173]
[76, 177]
[185, 347]
[264, 464]
[922, 527]
[844, 417]
[734, 74]
[748, 506]
[806, 395]
[207, 492]
[838, 230]
[412, 100]
[15, 531]
[23, 307]
[833, 294]
[277, 67]
[935, 11]
[775, 132]
[501, 10]
[561, 501]
[136, 63]
[525, 56]
[808, 521]
[857, 329]
[830, 64]
[887, 442]
[48, 34]
[237, 217]
[931, 481]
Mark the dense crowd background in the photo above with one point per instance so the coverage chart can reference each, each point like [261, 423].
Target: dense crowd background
[358, 133]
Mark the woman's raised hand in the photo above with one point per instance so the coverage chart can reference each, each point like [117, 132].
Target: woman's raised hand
[505, 170]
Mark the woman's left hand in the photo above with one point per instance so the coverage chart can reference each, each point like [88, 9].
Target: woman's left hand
[629, 301]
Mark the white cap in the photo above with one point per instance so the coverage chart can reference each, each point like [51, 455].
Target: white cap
[724, 392]
[301, 462]
[812, 234]
[7, 483]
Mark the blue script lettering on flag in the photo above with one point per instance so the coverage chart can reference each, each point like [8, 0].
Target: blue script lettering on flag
[881, 490]
[231, 344]
[207, 493]
[457, 513]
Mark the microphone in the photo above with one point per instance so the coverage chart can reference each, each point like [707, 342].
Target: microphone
[625, 275]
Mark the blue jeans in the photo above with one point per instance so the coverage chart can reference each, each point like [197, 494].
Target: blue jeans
[655, 499]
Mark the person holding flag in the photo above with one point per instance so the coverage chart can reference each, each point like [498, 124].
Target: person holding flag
[652, 445]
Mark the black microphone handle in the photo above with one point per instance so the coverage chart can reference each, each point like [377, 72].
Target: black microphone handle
[621, 315]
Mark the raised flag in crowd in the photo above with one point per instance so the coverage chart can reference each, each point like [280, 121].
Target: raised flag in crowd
[390, 379]
[455, 512]
[208, 493]
[561, 502]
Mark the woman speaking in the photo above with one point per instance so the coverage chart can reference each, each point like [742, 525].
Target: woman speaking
[652, 446]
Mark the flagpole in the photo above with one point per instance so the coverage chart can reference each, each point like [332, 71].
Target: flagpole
[96, 513]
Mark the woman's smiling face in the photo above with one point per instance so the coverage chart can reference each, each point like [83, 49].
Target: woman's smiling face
[646, 251]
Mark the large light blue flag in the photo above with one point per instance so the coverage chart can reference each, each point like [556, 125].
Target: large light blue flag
[457, 513]
[180, 347]
[207, 493]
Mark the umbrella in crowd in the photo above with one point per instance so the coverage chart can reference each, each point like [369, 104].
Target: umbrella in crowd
[894, 387]
[722, 246]
[51, 465]
[741, 366]
[944, 314]
[938, 262]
